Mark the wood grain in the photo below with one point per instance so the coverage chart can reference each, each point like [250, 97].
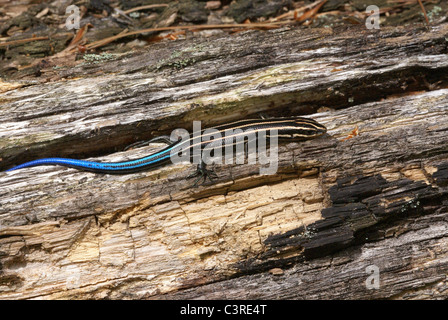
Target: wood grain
[335, 206]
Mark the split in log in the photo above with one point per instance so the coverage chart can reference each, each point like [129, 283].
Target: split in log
[335, 208]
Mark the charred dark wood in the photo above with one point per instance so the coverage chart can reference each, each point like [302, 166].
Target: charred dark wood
[337, 205]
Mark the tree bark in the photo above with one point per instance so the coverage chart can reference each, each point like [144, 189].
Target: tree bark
[341, 210]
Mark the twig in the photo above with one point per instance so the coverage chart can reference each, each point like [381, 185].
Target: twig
[102, 42]
[5, 44]
[295, 12]
[79, 35]
[310, 13]
[424, 11]
[105, 41]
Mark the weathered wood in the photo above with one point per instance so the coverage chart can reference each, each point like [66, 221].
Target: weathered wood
[335, 207]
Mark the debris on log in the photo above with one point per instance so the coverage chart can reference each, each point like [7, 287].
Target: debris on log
[371, 194]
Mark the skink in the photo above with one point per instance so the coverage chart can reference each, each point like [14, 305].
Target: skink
[296, 128]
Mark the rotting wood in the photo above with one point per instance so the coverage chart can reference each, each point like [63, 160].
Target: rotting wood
[335, 206]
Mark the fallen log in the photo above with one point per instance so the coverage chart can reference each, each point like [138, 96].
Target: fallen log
[369, 195]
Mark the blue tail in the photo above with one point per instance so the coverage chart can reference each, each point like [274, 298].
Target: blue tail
[79, 164]
[101, 167]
